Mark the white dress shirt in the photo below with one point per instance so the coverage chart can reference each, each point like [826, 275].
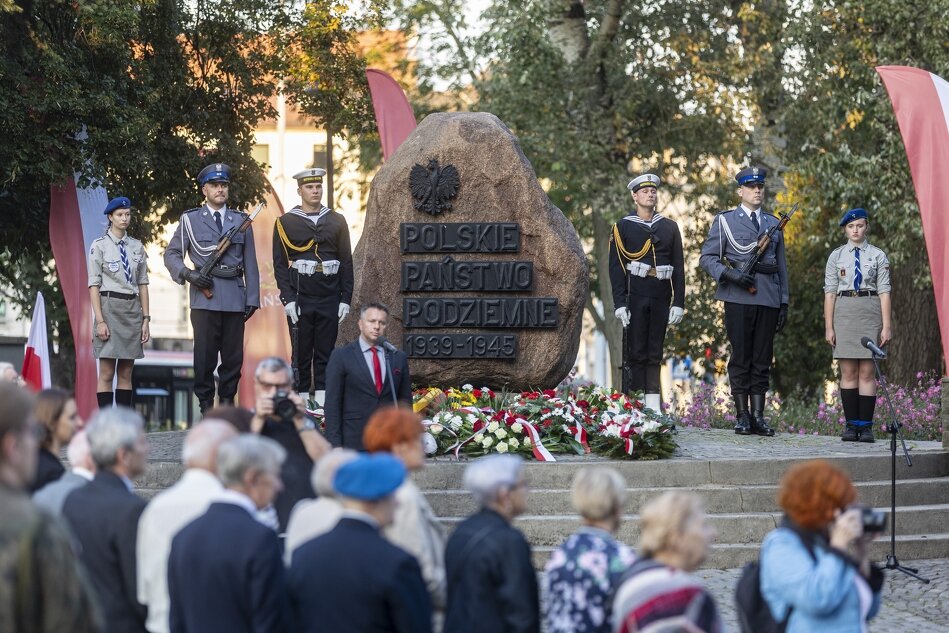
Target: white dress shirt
[162, 519]
[366, 354]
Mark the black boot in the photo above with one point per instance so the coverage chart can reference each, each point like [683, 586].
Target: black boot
[123, 397]
[851, 433]
[865, 434]
[742, 417]
[205, 406]
[758, 424]
[104, 398]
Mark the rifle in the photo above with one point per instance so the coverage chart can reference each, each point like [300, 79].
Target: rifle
[224, 244]
[763, 242]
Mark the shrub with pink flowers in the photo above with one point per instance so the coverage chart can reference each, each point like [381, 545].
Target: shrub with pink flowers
[917, 407]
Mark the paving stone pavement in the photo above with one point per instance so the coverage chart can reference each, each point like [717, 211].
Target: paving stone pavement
[909, 606]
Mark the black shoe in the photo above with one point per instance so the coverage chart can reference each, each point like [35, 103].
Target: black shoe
[205, 406]
[758, 424]
[865, 434]
[851, 433]
[743, 426]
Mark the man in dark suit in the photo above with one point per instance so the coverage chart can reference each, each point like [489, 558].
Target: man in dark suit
[358, 380]
[225, 572]
[352, 578]
[103, 516]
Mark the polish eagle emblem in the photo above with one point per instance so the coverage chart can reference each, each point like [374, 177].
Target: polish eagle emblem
[433, 187]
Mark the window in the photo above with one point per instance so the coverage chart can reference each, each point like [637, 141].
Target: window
[319, 156]
[261, 154]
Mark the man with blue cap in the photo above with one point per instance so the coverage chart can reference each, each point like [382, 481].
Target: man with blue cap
[647, 273]
[352, 578]
[756, 304]
[218, 320]
[313, 267]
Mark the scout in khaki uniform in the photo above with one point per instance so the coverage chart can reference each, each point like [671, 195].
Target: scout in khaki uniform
[313, 265]
[857, 304]
[118, 291]
[751, 318]
[646, 275]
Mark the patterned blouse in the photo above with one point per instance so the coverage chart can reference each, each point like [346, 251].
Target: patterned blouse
[579, 580]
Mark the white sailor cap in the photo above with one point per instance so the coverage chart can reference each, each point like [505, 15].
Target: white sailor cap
[646, 180]
[310, 175]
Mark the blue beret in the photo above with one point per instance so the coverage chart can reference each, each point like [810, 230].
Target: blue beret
[215, 172]
[854, 214]
[369, 477]
[117, 203]
[751, 175]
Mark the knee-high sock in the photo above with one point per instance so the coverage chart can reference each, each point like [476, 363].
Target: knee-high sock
[104, 398]
[867, 406]
[850, 399]
[123, 397]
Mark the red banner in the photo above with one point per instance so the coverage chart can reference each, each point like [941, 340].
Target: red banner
[394, 116]
[266, 333]
[921, 103]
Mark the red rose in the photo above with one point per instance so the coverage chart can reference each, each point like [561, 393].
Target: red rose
[550, 393]
[476, 393]
[583, 404]
[615, 396]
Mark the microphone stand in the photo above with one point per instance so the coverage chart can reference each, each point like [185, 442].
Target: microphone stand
[395, 400]
[895, 431]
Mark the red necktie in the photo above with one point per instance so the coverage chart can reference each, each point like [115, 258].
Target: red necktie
[376, 369]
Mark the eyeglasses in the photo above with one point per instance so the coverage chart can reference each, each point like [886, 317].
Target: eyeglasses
[273, 385]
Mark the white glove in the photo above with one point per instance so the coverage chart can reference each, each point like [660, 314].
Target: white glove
[623, 315]
[664, 272]
[330, 266]
[343, 311]
[675, 315]
[305, 266]
[638, 269]
[292, 311]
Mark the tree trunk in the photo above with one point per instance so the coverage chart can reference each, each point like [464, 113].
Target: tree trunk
[917, 345]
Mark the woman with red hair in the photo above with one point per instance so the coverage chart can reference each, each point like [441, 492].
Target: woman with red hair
[415, 528]
[815, 569]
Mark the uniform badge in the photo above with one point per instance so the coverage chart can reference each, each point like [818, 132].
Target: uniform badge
[114, 267]
[754, 171]
[843, 272]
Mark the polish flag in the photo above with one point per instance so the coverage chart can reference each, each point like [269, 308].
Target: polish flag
[394, 116]
[921, 103]
[36, 359]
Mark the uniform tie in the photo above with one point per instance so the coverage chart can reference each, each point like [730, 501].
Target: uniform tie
[125, 261]
[754, 220]
[376, 369]
[857, 273]
[217, 220]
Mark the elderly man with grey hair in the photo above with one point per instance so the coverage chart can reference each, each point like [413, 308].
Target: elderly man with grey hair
[104, 514]
[225, 572]
[312, 517]
[51, 497]
[173, 509]
[492, 585]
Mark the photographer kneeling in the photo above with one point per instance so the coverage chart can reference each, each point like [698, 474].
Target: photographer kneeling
[815, 568]
[279, 414]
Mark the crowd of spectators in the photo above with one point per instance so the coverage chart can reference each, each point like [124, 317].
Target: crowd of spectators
[364, 551]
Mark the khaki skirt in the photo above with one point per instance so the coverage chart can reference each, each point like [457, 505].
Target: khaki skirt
[854, 318]
[124, 318]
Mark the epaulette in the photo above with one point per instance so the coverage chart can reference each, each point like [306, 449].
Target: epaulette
[101, 237]
[193, 210]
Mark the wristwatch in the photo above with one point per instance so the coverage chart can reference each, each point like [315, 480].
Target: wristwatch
[147, 317]
[308, 425]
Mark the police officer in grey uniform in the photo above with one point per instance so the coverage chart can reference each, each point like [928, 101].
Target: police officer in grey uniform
[751, 319]
[218, 322]
[313, 266]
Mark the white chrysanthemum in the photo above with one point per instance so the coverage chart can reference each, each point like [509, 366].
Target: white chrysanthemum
[479, 437]
[513, 442]
[487, 442]
[501, 447]
[500, 434]
[470, 418]
[527, 440]
[455, 422]
[467, 387]
[435, 429]
[494, 426]
[517, 427]
[650, 426]
[612, 430]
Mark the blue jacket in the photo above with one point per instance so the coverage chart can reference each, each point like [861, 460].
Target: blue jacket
[822, 591]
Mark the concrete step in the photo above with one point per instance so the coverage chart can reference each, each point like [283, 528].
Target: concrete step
[758, 498]
[733, 528]
[732, 555]
[446, 475]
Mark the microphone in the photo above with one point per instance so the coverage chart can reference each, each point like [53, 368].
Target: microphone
[867, 342]
[389, 347]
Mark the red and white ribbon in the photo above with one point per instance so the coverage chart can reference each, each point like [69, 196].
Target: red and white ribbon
[541, 453]
[580, 435]
[628, 445]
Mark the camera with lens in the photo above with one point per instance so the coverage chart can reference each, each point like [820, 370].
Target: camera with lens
[283, 407]
[874, 521]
